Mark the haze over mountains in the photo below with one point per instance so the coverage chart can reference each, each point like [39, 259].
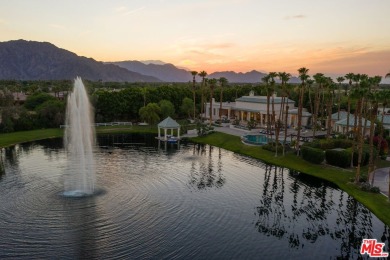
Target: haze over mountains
[31, 60]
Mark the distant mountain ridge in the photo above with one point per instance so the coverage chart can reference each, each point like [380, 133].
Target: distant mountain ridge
[248, 77]
[31, 60]
[165, 71]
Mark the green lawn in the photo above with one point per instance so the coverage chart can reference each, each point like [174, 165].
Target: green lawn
[377, 203]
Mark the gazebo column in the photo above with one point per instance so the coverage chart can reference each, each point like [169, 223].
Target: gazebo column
[171, 131]
[178, 133]
[165, 134]
[159, 130]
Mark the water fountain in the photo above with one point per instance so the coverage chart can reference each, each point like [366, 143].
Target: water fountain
[79, 141]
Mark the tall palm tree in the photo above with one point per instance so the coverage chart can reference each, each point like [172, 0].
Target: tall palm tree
[222, 81]
[361, 93]
[212, 83]
[339, 80]
[330, 87]
[272, 76]
[349, 77]
[266, 79]
[320, 80]
[303, 76]
[202, 74]
[284, 78]
[194, 73]
[374, 98]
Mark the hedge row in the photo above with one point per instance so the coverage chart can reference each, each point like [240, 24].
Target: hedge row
[338, 158]
[313, 155]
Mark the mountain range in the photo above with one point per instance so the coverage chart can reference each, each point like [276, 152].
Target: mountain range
[31, 60]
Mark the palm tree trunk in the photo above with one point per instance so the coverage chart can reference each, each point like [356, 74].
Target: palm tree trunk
[360, 141]
[285, 126]
[372, 128]
[300, 107]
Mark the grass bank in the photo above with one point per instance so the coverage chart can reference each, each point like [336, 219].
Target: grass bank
[377, 203]
[10, 139]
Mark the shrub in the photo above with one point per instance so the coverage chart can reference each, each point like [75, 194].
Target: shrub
[365, 155]
[338, 158]
[313, 155]
[375, 189]
[326, 144]
[272, 147]
[342, 143]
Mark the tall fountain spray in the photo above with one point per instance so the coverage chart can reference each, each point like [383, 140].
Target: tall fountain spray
[79, 141]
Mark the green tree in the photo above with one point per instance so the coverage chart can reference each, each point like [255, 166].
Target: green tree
[166, 108]
[34, 101]
[186, 107]
[51, 113]
[150, 113]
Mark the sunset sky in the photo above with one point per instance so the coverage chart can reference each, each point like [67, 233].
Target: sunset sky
[332, 37]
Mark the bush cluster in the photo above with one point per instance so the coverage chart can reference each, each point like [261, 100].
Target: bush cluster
[338, 158]
[272, 147]
[313, 155]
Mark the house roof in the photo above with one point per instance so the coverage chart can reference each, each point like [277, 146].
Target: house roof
[343, 115]
[262, 99]
[295, 112]
[343, 122]
[168, 123]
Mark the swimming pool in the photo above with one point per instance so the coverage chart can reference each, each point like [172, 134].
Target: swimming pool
[257, 139]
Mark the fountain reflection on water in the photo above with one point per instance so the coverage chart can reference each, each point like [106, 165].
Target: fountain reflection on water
[79, 141]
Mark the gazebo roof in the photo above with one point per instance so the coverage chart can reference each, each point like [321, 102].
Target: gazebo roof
[168, 123]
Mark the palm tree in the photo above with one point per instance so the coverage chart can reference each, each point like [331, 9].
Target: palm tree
[194, 73]
[361, 93]
[303, 77]
[339, 80]
[284, 78]
[266, 80]
[272, 76]
[212, 83]
[330, 87]
[202, 74]
[349, 77]
[223, 81]
[319, 78]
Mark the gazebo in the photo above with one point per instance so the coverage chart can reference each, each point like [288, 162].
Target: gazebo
[166, 124]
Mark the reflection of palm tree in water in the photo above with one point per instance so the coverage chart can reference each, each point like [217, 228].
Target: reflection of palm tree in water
[206, 176]
[312, 204]
[353, 223]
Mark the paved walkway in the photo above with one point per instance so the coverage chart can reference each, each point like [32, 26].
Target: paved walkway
[381, 180]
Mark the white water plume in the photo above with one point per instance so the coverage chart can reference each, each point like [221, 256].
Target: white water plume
[79, 141]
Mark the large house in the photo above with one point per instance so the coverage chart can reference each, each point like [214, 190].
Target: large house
[247, 108]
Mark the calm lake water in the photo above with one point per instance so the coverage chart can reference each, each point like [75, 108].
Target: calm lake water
[196, 202]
